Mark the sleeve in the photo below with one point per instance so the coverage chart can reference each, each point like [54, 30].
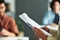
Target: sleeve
[46, 18]
[13, 27]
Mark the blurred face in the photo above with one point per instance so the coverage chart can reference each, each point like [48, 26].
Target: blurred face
[56, 6]
[2, 8]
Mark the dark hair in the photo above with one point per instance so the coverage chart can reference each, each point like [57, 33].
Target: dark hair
[2, 1]
[52, 3]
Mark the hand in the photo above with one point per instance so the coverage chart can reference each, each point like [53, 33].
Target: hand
[46, 29]
[39, 34]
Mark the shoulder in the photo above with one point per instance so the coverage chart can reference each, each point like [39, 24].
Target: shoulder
[10, 18]
[59, 13]
[49, 13]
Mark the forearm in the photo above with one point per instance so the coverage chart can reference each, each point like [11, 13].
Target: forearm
[7, 33]
[52, 27]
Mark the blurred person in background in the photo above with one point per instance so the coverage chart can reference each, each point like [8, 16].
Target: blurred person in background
[51, 18]
[8, 26]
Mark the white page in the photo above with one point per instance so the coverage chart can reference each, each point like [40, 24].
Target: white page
[31, 23]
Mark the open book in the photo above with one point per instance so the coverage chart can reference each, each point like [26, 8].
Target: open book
[31, 23]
